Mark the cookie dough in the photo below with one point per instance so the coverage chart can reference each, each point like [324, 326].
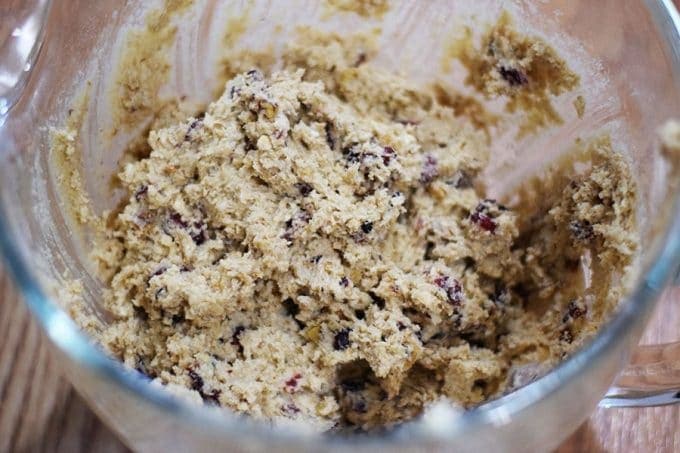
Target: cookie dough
[317, 246]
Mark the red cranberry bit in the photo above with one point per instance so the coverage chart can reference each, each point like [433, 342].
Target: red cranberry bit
[388, 154]
[344, 282]
[200, 236]
[141, 192]
[453, 289]
[513, 76]
[430, 171]
[484, 221]
[315, 259]
[236, 338]
[341, 340]
[292, 383]
[176, 218]
[361, 59]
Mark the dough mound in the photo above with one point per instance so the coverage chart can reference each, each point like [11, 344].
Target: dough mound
[316, 246]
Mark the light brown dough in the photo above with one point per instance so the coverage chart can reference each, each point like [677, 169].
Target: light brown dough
[316, 247]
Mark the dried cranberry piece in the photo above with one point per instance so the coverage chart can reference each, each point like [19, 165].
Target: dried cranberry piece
[484, 221]
[292, 383]
[453, 289]
[361, 59]
[388, 154]
[141, 192]
[177, 219]
[341, 339]
[430, 170]
[513, 76]
[344, 282]
[200, 236]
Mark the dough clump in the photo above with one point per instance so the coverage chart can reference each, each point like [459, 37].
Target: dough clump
[316, 246]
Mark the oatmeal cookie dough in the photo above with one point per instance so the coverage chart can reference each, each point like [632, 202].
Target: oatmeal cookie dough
[316, 246]
[526, 72]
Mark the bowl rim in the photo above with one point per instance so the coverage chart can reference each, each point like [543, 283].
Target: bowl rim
[79, 348]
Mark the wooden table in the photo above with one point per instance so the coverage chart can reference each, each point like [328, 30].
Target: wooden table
[39, 411]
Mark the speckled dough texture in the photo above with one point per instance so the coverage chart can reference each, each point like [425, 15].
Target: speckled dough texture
[317, 246]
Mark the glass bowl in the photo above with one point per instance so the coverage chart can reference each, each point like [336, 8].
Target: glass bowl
[628, 54]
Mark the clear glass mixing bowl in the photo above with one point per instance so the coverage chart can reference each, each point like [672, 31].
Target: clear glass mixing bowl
[628, 53]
